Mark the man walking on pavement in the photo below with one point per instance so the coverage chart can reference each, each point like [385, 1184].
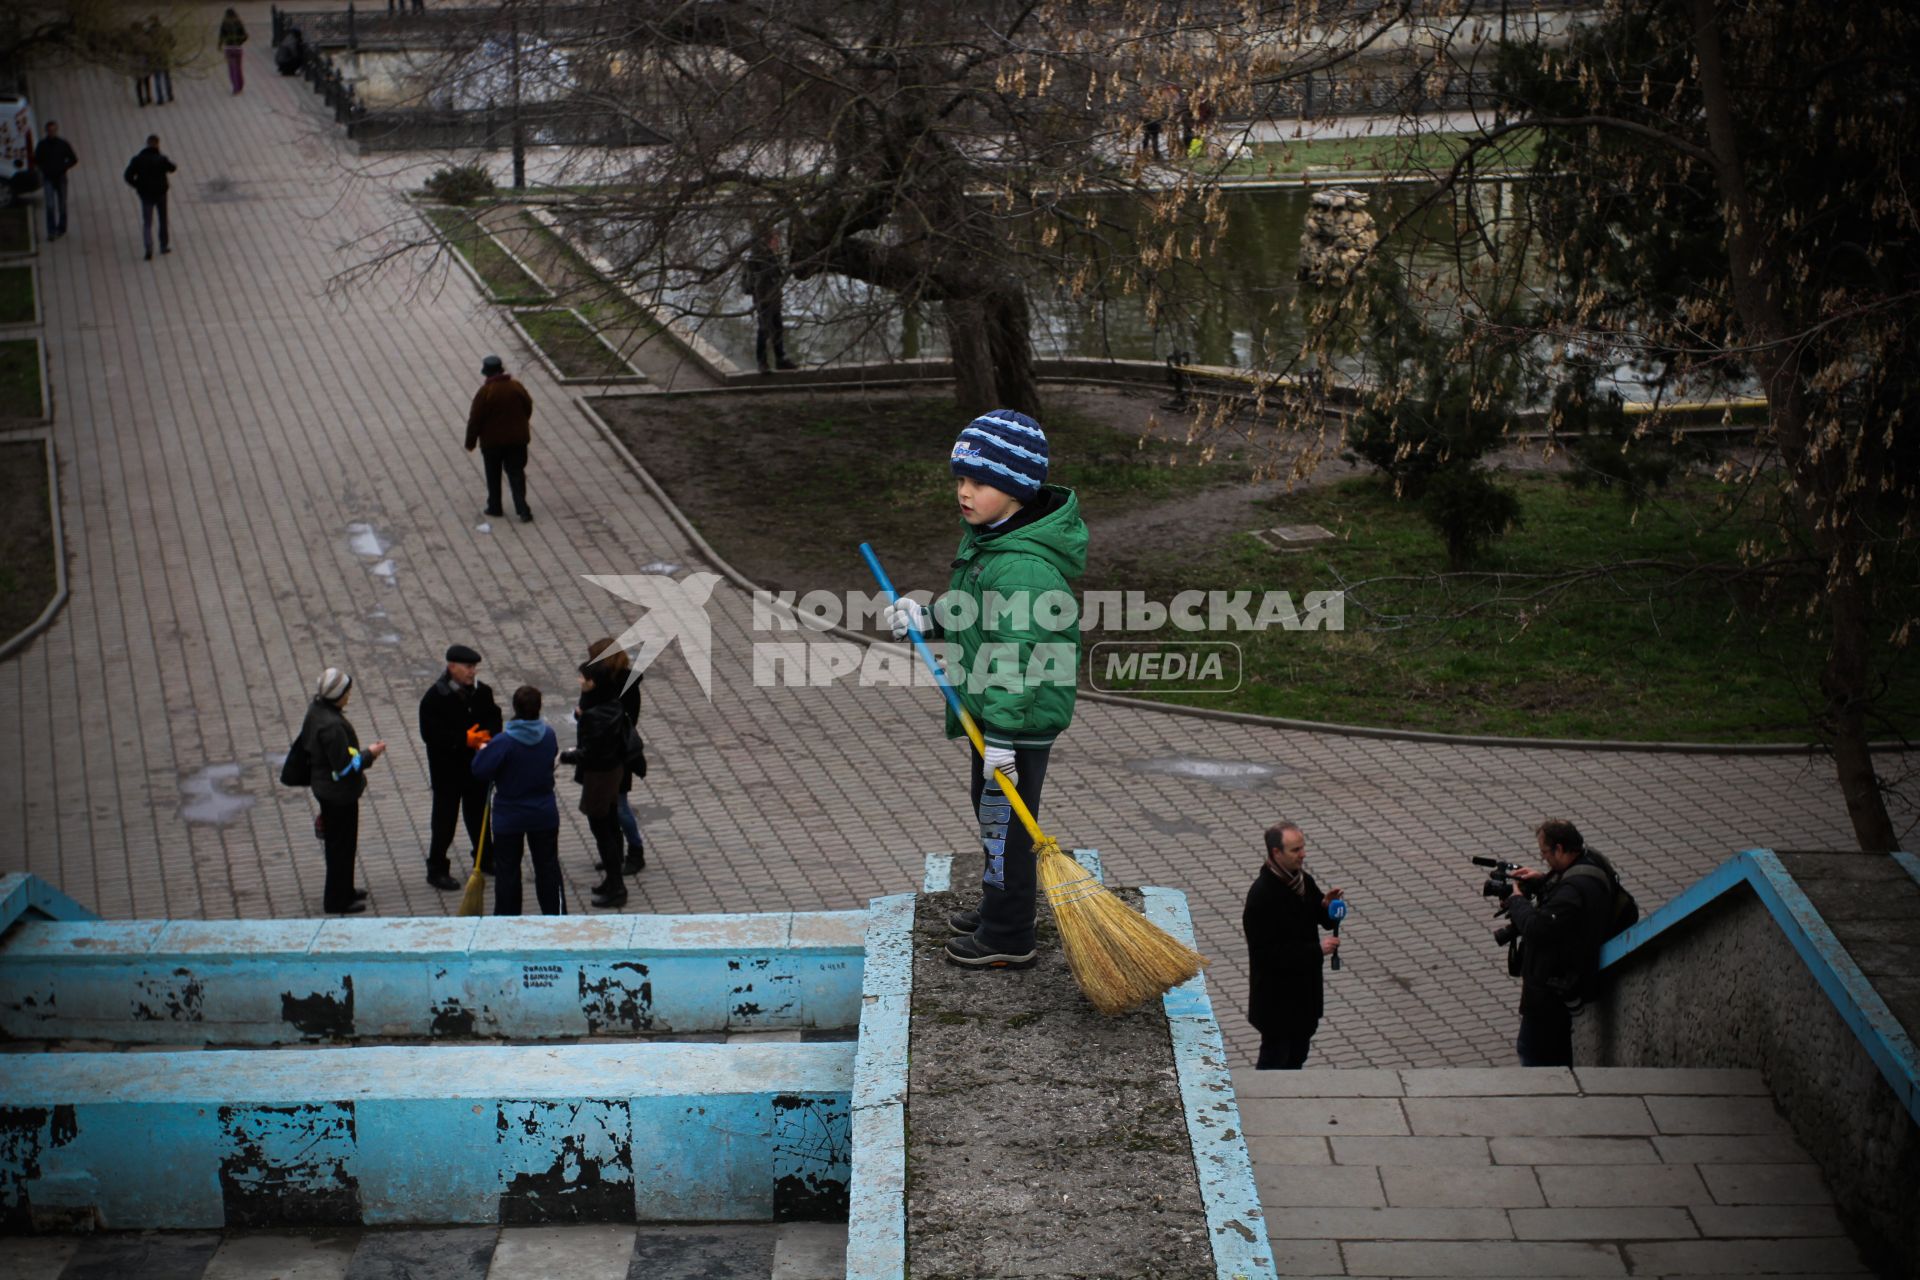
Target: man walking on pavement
[451, 711]
[147, 175]
[54, 157]
[765, 276]
[501, 423]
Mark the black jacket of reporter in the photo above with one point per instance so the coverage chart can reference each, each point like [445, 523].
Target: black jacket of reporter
[1560, 929]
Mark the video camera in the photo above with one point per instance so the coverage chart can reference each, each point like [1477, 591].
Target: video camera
[1499, 885]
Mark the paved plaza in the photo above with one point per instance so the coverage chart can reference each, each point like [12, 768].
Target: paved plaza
[262, 475]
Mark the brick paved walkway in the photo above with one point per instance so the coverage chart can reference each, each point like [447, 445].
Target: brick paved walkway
[226, 423]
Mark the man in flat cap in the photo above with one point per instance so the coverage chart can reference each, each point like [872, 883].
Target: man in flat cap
[500, 424]
[457, 717]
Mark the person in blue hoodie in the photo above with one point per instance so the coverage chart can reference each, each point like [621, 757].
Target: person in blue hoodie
[519, 763]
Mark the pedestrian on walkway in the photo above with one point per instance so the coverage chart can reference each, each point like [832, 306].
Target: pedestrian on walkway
[1013, 661]
[607, 755]
[159, 44]
[147, 175]
[451, 710]
[55, 158]
[519, 765]
[765, 279]
[233, 34]
[339, 778]
[501, 424]
[1284, 913]
[617, 661]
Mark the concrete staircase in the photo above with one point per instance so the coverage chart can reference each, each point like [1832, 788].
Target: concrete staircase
[792, 1251]
[1515, 1172]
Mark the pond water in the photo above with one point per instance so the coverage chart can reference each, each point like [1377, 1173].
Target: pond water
[1231, 312]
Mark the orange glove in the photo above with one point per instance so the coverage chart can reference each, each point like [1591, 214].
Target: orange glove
[477, 738]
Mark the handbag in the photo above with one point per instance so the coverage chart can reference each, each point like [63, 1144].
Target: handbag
[297, 769]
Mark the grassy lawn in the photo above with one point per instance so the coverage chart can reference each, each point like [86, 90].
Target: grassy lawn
[16, 233]
[571, 345]
[26, 537]
[16, 295]
[604, 306]
[1639, 654]
[19, 379]
[504, 278]
[1383, 154]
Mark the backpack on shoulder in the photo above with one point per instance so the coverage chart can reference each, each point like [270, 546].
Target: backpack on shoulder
[1626, 912]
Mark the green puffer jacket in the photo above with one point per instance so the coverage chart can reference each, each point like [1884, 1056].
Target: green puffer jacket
[1015, 673]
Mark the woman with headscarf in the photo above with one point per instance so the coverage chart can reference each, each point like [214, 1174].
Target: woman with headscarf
[338, 768]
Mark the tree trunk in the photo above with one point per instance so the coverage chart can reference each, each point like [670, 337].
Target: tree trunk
[992, 353]
[974, 386]
[1008, 334]
[1845, 682]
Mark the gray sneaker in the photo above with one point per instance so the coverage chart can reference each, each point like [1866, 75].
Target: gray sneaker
[964, 921]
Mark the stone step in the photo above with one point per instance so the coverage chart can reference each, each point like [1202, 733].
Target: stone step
[752, 1251]
[1518, 1172]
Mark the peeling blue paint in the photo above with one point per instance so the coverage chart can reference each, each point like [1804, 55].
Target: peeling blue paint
[1237, 1225]
[877, 1190]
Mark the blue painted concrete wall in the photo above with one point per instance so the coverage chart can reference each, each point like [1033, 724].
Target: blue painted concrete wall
[527, 978]
[584, 1133]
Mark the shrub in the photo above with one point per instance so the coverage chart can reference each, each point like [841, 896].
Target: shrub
[1469, 510]
[461, 184]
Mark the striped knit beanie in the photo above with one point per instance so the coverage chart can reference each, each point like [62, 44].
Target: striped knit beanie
[333, 684]
[1005, 449]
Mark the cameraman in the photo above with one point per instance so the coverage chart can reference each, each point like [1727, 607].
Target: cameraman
[1560, 922]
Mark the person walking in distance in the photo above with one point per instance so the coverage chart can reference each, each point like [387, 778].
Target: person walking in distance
[607, 756]
[339, 779]
[501, 424]
[456, 712]
[233, 35]
[765, 279]
[519, 765]
[1284, 914]
[147, 175]
[55, 158]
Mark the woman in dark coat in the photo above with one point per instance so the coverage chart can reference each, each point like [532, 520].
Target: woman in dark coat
[607, 754]
[339, 777]
[519, 763]
[1284, 914]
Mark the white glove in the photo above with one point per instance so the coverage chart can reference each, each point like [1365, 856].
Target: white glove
[906, 613]
[1000, 758]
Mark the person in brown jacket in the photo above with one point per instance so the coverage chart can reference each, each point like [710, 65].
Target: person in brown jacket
[501, 423]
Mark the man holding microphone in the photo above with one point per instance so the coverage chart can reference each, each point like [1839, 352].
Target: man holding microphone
[1282, 920]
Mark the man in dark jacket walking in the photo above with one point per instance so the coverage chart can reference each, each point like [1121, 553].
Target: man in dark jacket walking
[55, 157]
[1285, 953]
[519, 764]
[452, 709]
[501, 423]
[1560, 918]
[147, 175]
[339, 777]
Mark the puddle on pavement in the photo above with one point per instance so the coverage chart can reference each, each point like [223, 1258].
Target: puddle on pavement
[364, 541]
[660, 566]
[1230, 775]
[206, 795]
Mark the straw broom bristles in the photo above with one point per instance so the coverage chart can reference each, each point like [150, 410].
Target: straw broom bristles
[1119, 957]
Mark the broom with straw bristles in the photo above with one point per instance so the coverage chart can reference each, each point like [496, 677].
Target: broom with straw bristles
[1120, 958]
[473, 898]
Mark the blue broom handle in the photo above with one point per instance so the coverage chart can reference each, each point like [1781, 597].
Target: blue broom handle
[919, 642]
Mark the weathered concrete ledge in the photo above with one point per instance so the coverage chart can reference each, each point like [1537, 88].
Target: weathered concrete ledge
[1744, 970]
[471, 1134]
[257, 982]
[1214, 1226]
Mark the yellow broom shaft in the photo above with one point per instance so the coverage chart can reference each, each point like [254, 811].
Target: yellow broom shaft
[1006, 783]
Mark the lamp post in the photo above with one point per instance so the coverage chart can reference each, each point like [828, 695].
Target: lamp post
[519, 134]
